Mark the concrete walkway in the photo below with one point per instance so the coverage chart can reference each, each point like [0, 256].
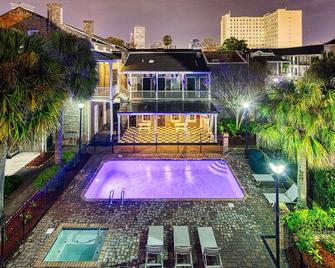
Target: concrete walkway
[18, 161]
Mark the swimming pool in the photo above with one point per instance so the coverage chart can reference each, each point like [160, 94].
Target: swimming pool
[76, 245]
[164, 179]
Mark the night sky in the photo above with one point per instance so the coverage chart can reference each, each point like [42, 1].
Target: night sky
[185, 19]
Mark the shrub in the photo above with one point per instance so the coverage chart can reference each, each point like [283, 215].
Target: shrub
[67, 157]
[45, 176]
[310, 228]
[11, 184]
[229, 125]
[324, 187]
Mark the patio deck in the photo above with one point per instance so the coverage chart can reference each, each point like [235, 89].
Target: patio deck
[166, 135]
[237, 225]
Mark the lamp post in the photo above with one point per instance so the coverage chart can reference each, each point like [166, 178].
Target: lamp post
[246, 111]
[81, 106]
[277, 170]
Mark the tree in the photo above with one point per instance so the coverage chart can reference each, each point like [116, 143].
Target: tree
[324, 69]
[167, 40]
[76, 57]
[116, 41]
[299, 121]
[209, 44]
[234, 85]
[31, 93]
[233, 43]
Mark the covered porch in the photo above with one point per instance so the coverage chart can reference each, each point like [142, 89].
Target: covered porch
[167, 123]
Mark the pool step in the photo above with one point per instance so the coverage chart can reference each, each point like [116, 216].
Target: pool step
[218, 169]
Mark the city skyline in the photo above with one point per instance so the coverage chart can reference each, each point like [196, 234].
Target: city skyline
[185, 19]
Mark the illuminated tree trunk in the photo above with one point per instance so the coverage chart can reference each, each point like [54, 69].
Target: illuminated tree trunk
[59, 141]
[3, 154]
[302, 181]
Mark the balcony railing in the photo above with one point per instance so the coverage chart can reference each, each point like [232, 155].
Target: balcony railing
[170, 94]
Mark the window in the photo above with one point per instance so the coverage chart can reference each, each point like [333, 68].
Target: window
[134, 84]
[175, 118]
[103, 74]
[31, 32]
[175, 83]
[190, 84]
[192, 118]
[146, 117]
[161, 83]
[146, 83]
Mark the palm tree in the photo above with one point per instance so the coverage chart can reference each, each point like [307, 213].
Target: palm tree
[76, 57]
[31, 93]
[300, 122]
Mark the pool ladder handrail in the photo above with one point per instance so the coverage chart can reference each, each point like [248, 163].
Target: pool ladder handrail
[111, 197]
[122, 196]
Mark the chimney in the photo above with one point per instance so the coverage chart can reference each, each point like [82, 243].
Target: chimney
[55, 13]
[89, 27]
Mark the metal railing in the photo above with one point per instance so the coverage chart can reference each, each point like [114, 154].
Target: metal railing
[169, 94]
[18, 226]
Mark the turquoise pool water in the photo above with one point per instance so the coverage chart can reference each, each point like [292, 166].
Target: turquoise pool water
[77, 245]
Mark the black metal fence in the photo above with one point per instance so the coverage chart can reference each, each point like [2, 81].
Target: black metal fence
[16, 228]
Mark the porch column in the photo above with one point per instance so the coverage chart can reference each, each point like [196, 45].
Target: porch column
[156, 86]
[129, 85]
[118, 128]
[277, 69]
[215, 128]
[104, 113]
[155, 127]
[89, 118]
[185, 130]
[209, 87]
[183, 85]
[111, 95]
[128, 121]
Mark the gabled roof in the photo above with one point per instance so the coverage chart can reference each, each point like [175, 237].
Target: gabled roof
[169, 60]
[223, 57]
[105, 56]
[331, 42]
[272, 58]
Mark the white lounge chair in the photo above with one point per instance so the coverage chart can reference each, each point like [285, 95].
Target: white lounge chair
[259, 178]
[209, 249]
[290, 196]
[182, 247]
[155, 247]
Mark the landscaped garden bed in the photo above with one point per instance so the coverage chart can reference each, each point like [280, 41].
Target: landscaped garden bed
[40, 160]
[313, 235]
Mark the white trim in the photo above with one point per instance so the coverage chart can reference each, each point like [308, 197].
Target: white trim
[166, 72]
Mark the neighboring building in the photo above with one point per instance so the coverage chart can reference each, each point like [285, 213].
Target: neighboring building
[137, 38]
[157, 44]
[293, 62]
[281, 28]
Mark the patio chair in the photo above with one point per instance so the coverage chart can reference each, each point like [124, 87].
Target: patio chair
[155, 247]
[209, 249]
[290, 196]
[259, 178]
[182, 247]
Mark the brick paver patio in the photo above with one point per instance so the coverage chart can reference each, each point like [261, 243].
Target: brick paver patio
[237, 228]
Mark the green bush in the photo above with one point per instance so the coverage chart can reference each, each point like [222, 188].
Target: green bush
[11, 184]
[324, 187]
[229, 125]
[67, 157]
[45, 176]
[311, 227]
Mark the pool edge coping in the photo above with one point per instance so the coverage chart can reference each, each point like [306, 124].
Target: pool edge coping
[53, 237]
[82, 195]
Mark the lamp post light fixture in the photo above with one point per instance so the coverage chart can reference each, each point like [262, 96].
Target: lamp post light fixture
[277, 171]
[246, 106]
[80, 106]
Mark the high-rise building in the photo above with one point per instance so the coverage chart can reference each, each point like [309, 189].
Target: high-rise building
[138, 37]
[281, 28]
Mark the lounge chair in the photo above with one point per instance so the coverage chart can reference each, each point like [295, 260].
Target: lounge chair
[209, 249]
[290, 196]
[259, 178]
[182, 247]
[155, 247]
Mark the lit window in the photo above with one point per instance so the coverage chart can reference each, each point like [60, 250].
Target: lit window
[175, 118]
[192, 118]
[146, 117]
